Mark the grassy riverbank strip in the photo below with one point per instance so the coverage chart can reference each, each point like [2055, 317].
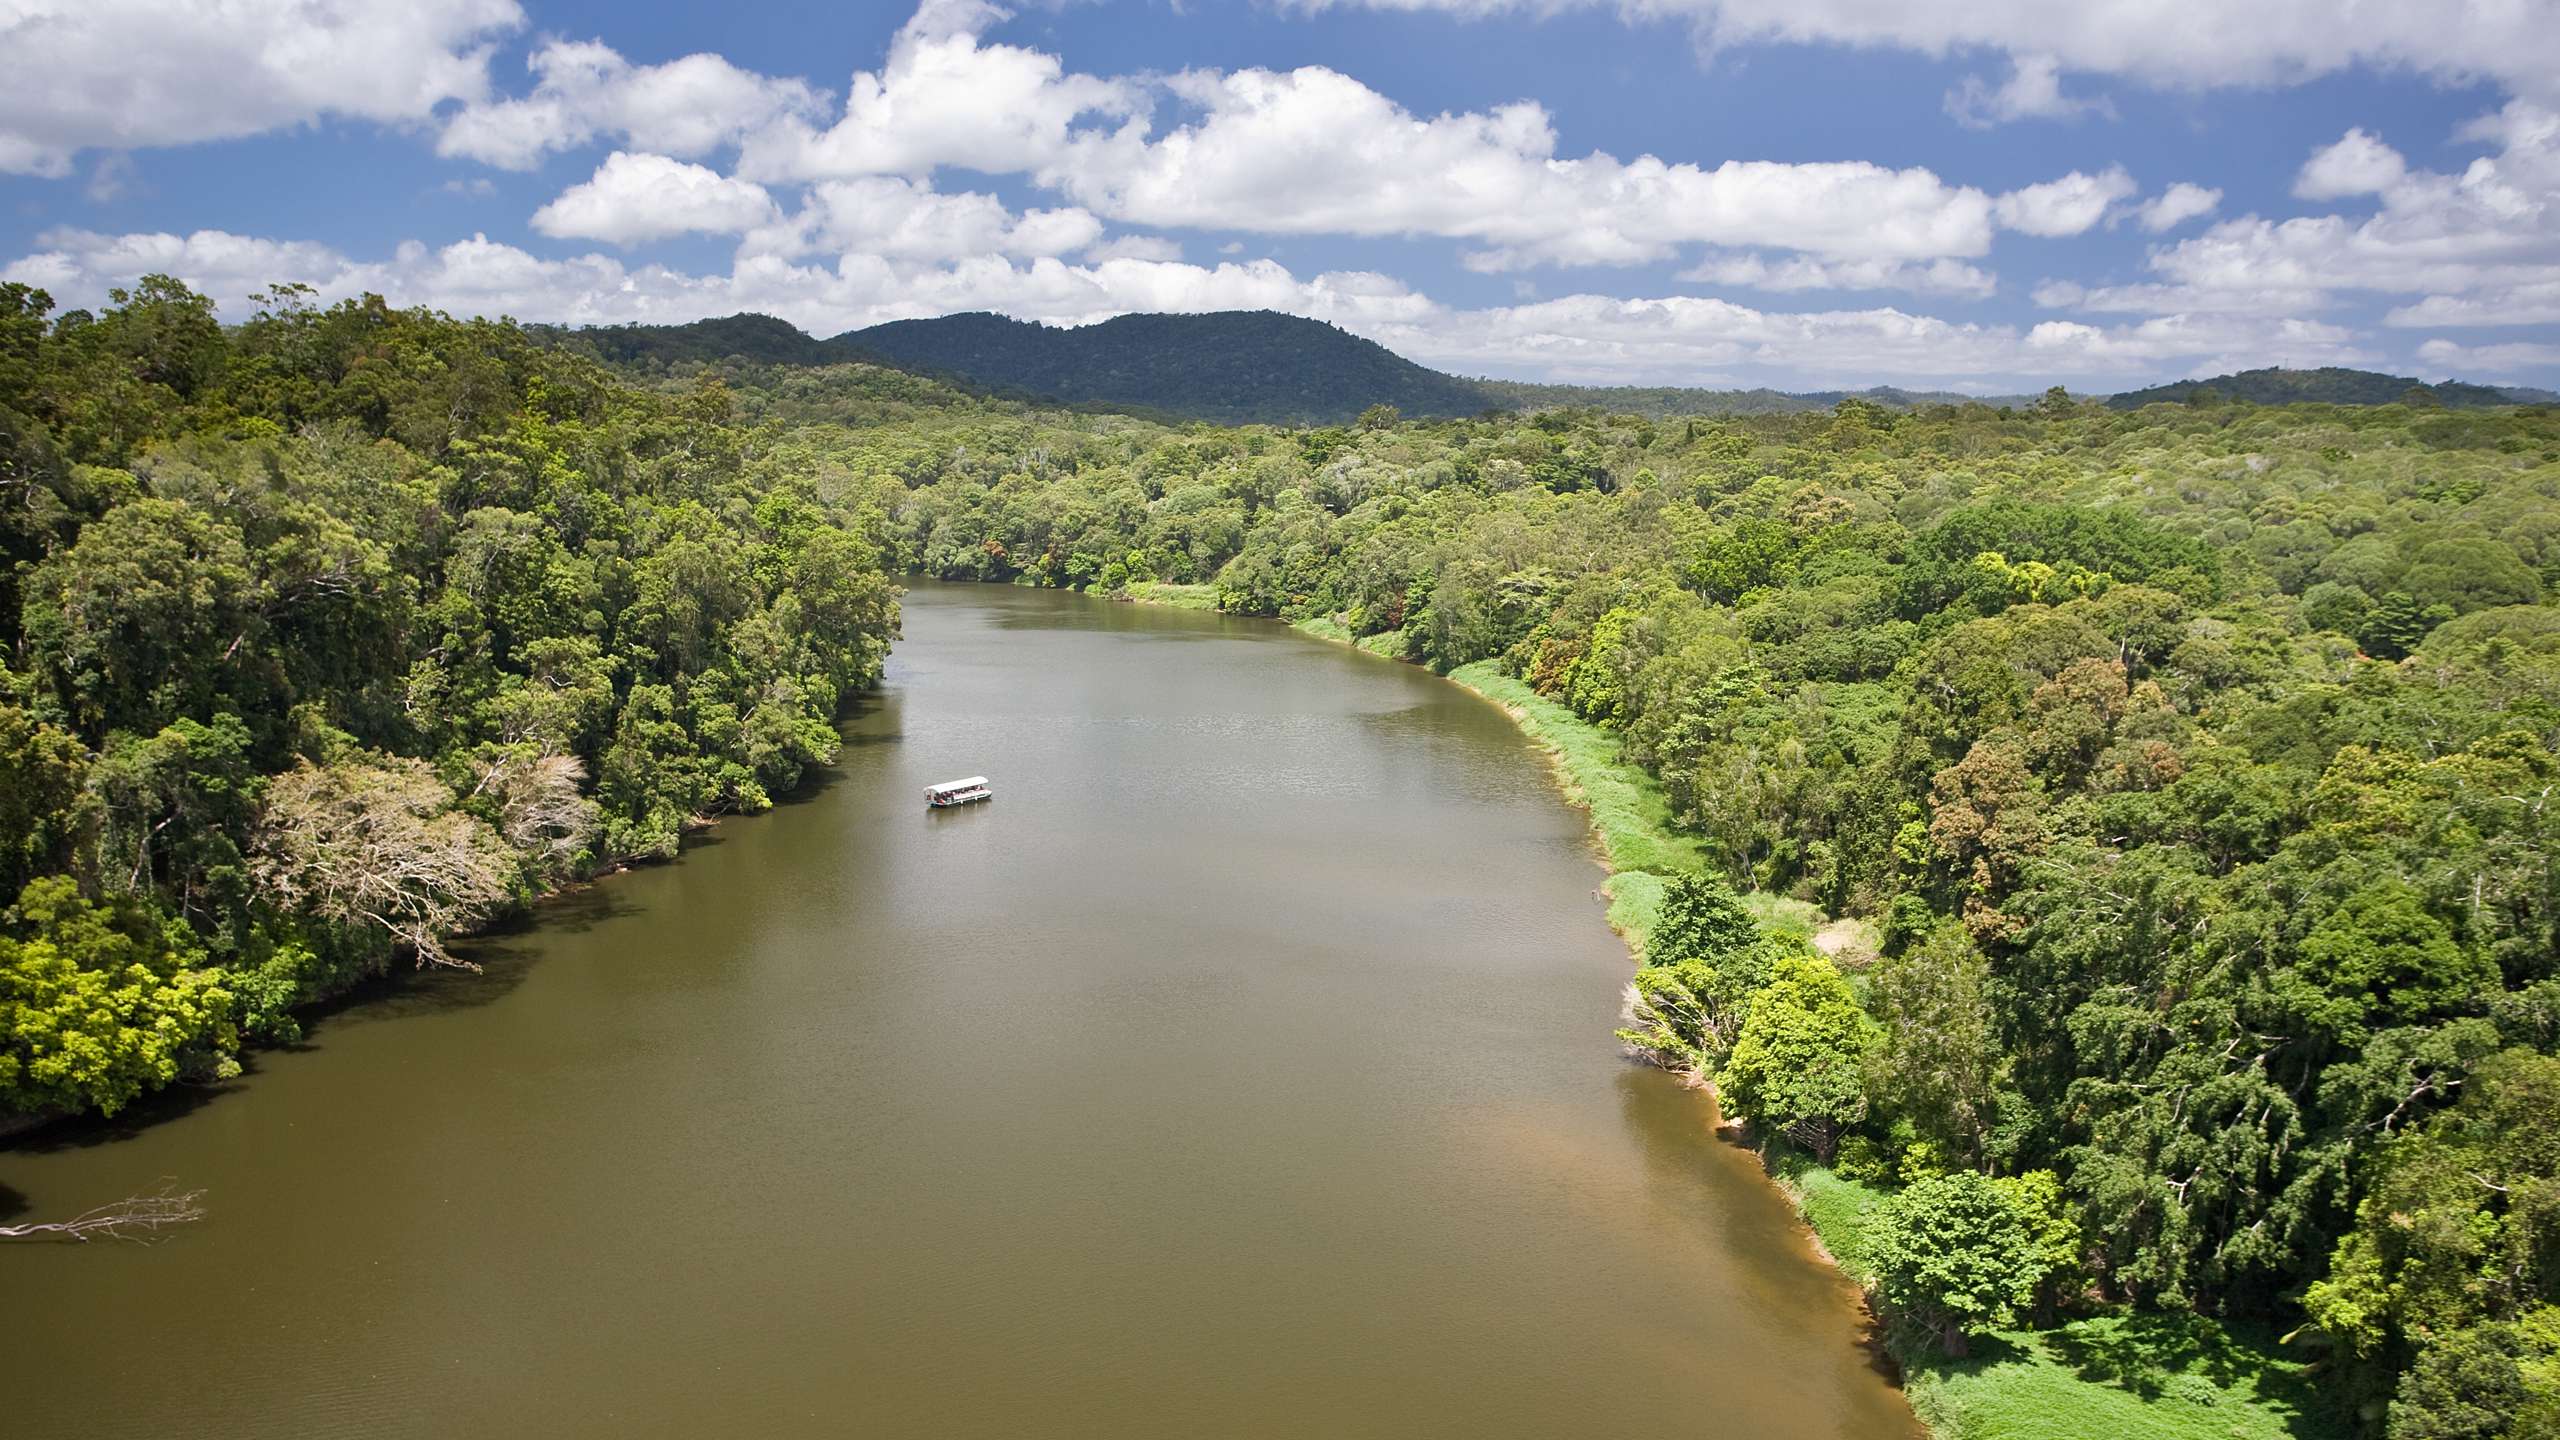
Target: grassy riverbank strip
[2110, 1377]
[1630, 818]
[1170, 595]
[1325, 627]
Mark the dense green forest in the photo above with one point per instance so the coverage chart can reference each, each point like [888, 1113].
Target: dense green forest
[2190, 768]
[337, 633]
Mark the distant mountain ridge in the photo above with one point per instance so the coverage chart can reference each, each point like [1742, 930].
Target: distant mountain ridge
[2328, 385]
[1234, 367]
[1260, 366]
[1672, 402]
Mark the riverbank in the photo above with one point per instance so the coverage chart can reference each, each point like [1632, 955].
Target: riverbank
[2107, 1377]
[2117, 1377]
[1630, 818]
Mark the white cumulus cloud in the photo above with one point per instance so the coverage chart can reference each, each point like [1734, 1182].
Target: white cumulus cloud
[905, 219]
[1314, 151]
[2358, 164]
[1803, 272]
[585, 90]
[2068, 206]
[2033, 91]
[122, 74]
[2451, 360]
[632, 198]
[1135, 247]
[2179, 204]
[2478, 246]
[945, 97]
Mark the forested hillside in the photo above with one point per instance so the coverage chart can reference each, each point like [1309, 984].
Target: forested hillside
[1230, 367]
[2194, 769]
[756, 339]
[338, 632]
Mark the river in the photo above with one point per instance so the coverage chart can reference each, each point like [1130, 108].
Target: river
[1244, 1069]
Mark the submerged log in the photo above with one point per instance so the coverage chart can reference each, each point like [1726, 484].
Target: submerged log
[136, 1217]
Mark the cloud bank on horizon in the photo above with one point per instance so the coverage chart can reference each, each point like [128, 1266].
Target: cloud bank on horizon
[2099, 194]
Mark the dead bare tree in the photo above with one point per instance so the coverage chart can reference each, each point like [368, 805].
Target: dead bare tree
[542, 813]
[136, 1217]
[379, 843]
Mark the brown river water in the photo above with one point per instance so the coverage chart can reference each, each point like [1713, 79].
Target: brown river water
[1244, 1069]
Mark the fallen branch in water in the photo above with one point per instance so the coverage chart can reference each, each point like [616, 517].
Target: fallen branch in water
[137, 1217]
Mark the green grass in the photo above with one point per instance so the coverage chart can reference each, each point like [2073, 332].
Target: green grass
[1835, 1206]
[1635, 901]
[1165, 592]
[1330, 627]
[1784, 914]
[2123, 1377]
[2111, 1377]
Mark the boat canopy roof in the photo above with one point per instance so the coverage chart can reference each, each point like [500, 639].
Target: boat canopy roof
[974, 782]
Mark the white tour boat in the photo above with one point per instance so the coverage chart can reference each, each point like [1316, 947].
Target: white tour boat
[958, 792]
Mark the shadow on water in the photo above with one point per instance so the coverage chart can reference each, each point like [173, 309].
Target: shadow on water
[400, 993]
[873, 719]
[442, 990]
[13, 1204]
[405, 991]
[80, 1132]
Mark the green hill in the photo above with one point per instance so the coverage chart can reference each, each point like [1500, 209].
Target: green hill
[760, 338]
[2328, 385]
[1232, 366]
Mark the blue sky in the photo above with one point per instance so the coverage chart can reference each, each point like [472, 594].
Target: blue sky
[1985, 195]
